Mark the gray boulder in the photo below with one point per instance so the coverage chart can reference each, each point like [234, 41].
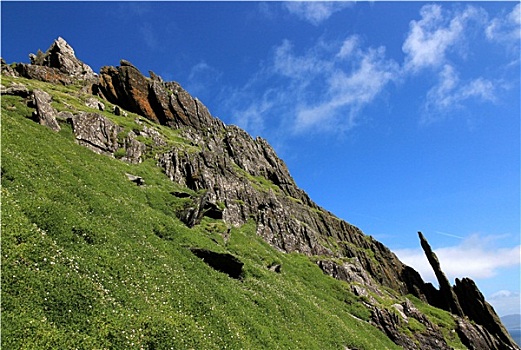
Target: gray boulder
[96, 132]
[44, 113]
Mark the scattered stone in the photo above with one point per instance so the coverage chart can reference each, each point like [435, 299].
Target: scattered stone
[275, 268]
[138, 180]
[93, 102]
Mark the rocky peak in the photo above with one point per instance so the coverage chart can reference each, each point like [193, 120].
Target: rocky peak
[57, 65]
[60, 55]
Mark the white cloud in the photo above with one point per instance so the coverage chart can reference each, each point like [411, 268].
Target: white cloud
[299, 67]
[450, 93]
[434, 35]
[506, 29]
[348, 47]
[323, 88]
[348, 92]
[475, 257]
[315, 12]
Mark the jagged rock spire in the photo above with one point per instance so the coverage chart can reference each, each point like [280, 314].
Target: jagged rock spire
[448, 297]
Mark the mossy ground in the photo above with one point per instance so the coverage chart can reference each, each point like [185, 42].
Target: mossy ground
[92, 261]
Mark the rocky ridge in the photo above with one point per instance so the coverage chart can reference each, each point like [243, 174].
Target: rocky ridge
[239, 178]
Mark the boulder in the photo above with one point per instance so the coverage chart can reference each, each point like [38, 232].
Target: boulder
[15, 89]
[96, 132]
[44, 113]
[138, 180]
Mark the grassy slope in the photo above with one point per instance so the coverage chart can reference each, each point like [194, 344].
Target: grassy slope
[92, 261]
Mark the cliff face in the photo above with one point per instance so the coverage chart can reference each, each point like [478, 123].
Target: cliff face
[239, 178]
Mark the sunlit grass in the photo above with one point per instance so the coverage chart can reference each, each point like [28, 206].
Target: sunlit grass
[92, 261]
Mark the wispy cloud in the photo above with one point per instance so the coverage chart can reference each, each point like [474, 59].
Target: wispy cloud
[322, 88]
[506, 29]
[326, 86]
[348, 91]
[476, 257]
[450, 93]
[315, 12]
[149, 36]
[201, 78]
[437, 32]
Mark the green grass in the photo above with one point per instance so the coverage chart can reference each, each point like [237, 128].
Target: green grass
[92, 261]
[443, 319]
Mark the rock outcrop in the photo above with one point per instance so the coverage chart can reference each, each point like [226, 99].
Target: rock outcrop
[61, 56]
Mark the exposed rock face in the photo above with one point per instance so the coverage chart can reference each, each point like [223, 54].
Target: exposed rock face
[6, 69]
[478, 310]
[45, 113]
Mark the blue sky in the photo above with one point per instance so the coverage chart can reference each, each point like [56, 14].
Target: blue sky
[396, 116]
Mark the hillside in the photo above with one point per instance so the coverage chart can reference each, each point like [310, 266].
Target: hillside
[132, 218]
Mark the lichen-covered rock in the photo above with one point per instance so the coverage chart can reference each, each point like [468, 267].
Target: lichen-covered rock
[134, 149]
